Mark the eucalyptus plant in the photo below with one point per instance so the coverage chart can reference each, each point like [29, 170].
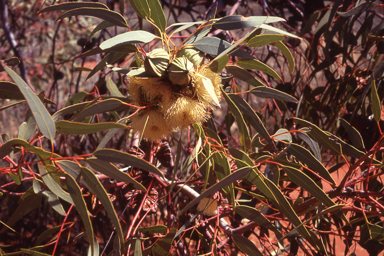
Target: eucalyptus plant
[169, 88]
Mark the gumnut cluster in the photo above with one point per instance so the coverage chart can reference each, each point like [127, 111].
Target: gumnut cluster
[176, 91]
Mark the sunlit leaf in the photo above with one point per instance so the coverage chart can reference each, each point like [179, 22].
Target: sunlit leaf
[218, 64]
[112, 155]
[33, 252]
[258, 65]
[27, 128]
[112, 88]
[101, 13]
[114, 173]
[276, 30]
[284, 49]
[282, 135]
[68, 127]
[41, 114]
[311, 143]
[157, 14]
[131, 37]
[264, 39]
[211, 91]
[238, 21]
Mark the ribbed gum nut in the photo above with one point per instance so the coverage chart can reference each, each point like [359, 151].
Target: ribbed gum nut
[156, 62]
[180, 71]
[193, 55]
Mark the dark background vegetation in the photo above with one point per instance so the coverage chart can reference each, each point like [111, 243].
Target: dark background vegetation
[339, 55]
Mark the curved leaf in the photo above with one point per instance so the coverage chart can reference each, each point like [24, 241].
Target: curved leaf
[7, 148]
[41, 114]
[102, 25]
[353, 134]
[311, 143]
[112, 155]
[284, 49]
[51, 183]
[238, 21]
[131, 37]
[276, 30]
[245, 245]
[81, 207]
[243, 75]
[261, 40]
[98, 107]
[101, 13]
[27, 128]
[72, 5]
[376, 105]
[258, 65]
[303, 155]
[68, 127]
[114, 173]
[270, 93]
[157, 14]
[141, 8]
[111, 133]
[112, 88]
[245, 140]
[218, 64]
[251, 117]
[240, 173]
[69, 110]
[108, 59]
[10, 91]
[215, 46]
[94, 185]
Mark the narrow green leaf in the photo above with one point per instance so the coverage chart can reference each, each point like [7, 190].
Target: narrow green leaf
[157, 14]
[101, 13]
[184, 25]
[112, 155]
[68, 127]
[48, 233]
[240, 173]
[10, 91]
[216, 46]
[78, 201]
[288, 211]
[309, 23]
[222, 170]
[251, 117]
[70, 167]
[33, 252]
[323, 138]
[303, 155]
[311, 143]
[72, 5]
[243, 75]
[238, 154]
[52, 185]
[7, 148]
[27, 128]
[29, 203]
[276, 30]
[98, 107]
[218, 65]
[131, 37]
[258, 65]
[111, 133]
[69, 110]
[254, 215]
[138, 251]
[141, 8]
[238, 21]
[284, 49]
[353, 134]
[114, 173]
[375, 100]
[308, 184]
[97, 188]
[109, 58]
[12, 105]
[261, 40]
[41, 114]
[54, 202]
[163, 246]
[102, 25]
[356, 10]
[112, 88]
[270, 93]
[245, 139]
[245, 245]
[153, 229]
